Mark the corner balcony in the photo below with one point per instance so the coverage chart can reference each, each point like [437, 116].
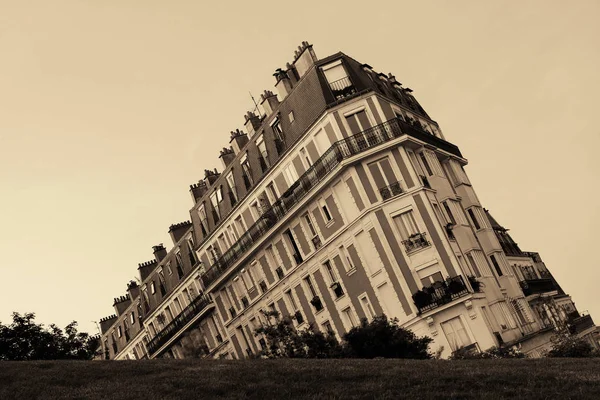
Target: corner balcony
[537, 286]
[200, 306]
[580, 324]
[390, 191]
[415, 241]
[440, 293]
[339, 151]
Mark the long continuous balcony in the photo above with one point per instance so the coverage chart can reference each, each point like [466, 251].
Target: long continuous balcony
[200, 305]
[338, 151]
[440, 293]
[537, 286]
[581, 324]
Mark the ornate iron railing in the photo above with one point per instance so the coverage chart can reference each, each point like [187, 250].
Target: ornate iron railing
[415, 241]
[390, 191]
[342, 88]
[339, 151]
[537, 286]
[440, 293]
[199, 304]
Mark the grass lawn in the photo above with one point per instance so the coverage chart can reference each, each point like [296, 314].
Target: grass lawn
[315, 379]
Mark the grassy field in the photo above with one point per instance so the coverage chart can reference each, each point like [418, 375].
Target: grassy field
[314, 379]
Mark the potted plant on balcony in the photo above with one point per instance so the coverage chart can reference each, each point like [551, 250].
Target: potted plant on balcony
[337, 289]
[316, 302]
[475, 284]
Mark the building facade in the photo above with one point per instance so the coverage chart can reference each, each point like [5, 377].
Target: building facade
[341, 200]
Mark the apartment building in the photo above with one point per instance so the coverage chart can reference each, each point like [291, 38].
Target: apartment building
[340, 200]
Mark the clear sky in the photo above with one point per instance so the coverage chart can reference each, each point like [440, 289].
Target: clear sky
[109, 110]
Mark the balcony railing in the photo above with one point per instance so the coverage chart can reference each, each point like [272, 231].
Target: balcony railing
[415, 242]
[581, 324]
[390, 191]
[537, 286]
[342, 88]
[339, 151]
[199, 304]
[440, 293]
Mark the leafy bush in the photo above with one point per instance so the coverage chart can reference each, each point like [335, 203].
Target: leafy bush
[491, 353]
[383, 337]
[285, 341]
[566, 345]
[380, 338]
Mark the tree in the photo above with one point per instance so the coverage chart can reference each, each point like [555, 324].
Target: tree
[383, 337]
[23, 339]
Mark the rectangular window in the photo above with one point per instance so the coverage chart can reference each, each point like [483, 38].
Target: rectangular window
[232, 189]
[247, 172]
[347, 260]
[305, 158]
[290, 174]
[456, 333]
[496, 265]
[264, 156]
[367, 309]
[291, 117]
[272, 193]
[152, 287]
[431, 279]
[327, 328]
[338, 79]
[425, 163]
[406, 224]
[325, 210]
[349, 317]
[330, 272]
[132, 317]
[358, 123]
[203, 220]
[291, 300]
[215, 199]
[449, 212]
[472, 215]
[310, 286]
[119, 331]
[276, 125]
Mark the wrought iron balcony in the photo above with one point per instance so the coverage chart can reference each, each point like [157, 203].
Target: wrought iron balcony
[537, 286]
[415, 242]
[198, 306]
[342, 88]
[580, 324]
[390, 191]
[338, 151]
[440, 293]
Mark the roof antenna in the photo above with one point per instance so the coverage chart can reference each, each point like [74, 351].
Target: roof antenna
[255, 104]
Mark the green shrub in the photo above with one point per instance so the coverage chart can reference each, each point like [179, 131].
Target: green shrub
[383, 337]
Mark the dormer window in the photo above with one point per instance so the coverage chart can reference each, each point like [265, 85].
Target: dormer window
[232, 188]
[215, 198]
[247, 172]
[263, 156]
[338, 79]
[203, 221]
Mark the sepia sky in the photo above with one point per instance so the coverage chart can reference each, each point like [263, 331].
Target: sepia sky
[109, 110]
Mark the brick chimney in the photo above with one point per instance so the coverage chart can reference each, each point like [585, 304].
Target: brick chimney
[197, 190]
[304, 58]
[106, 323]
[238, 140]
[252, 123]
[283, 84]
[292, 73]
[269, 102]
[133, 290]
[146, 268]
[227, 155]
[178, 230]
[121, 303]
[211, 177]
[159, 252]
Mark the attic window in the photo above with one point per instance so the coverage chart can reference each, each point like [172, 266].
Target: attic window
[291, 116]
[338, 79]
